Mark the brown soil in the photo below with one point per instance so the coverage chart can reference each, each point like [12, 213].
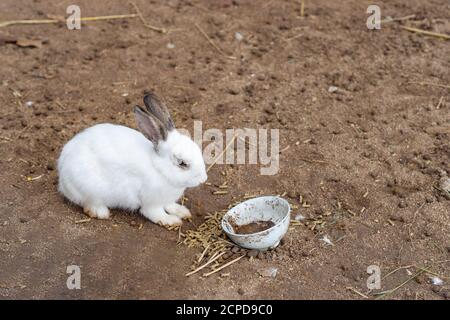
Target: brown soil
[252, 227]
[367, 158]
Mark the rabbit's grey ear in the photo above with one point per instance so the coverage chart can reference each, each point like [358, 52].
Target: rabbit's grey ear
[156, 107]
[150, 126]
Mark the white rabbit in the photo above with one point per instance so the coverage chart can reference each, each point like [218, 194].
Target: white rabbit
[112, 166]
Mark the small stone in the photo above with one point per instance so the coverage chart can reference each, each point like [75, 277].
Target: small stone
[233, 91]
[252, 253]
[332, 89]
[397, 217]
[241, 291]
[429, 199]
[268, 272]
[235, 249]
[444, 184]
[445, 294]
[419, 279]
[50, 166]
[24, 219]
[402, 204]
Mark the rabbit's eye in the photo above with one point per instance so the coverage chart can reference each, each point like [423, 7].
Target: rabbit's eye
[182, 164]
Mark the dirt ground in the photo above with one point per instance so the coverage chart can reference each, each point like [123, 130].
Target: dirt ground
[368, 157]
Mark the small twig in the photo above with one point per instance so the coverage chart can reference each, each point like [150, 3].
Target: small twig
[302, 8]
[118, 16]
[220, 192]
[179, 235]
[313, 161]
[221, 154]
[212, 43]
[440, 102]
[14, 22]
[431, 272]
[357, 292]
[395, 270]
[215, 257]
[294, 37]
[203, 253]
[82, 220]
[60, 104]
[224, 266]
[141, 17]
[50, 21]
[35, 178]
[427, 33]
[388, 292]
[411, 16]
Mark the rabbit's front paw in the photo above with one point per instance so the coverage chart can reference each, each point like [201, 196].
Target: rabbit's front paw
[159, 216]
[178, 210]
[99, 212]
[170, 221]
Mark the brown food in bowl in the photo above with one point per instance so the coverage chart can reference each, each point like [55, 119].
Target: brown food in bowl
[252, 227]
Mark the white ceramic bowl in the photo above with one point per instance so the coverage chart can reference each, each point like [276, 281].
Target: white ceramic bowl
[265, 208]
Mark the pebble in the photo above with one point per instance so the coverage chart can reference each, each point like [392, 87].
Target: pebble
[444, 184]
[397, 217]
[252, 253]
[233, 91]
[235, 249]
[402, 204]
[332, 89]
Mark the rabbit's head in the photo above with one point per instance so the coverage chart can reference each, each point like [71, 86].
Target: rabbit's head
[178, 158]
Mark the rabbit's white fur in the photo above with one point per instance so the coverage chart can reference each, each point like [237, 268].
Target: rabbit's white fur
[112, 166]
